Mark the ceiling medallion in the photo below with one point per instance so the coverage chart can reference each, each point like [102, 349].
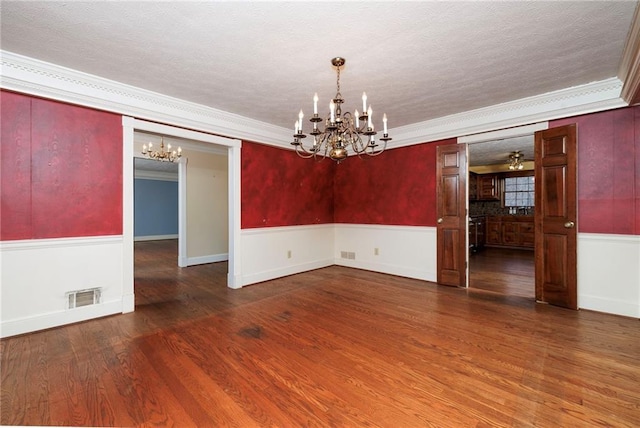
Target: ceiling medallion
[342, 131]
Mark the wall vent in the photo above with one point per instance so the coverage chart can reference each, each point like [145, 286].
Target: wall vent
[80, 298]
[348, 255]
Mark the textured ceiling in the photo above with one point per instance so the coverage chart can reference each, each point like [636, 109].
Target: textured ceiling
[264, 60]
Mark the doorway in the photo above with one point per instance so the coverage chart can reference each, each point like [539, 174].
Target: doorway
[501, 206]
[232, 147]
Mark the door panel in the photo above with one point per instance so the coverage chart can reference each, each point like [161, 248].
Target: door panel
[451, 227]
[556, 216]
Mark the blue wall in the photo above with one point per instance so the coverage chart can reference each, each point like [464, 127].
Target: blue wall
[156, 207]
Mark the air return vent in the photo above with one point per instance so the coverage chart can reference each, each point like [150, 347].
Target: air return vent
[83, 297]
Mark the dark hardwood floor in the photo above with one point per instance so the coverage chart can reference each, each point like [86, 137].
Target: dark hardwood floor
[502, 270]
[331, 347]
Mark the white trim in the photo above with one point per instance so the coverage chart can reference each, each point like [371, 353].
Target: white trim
[35, 77]
[182, 212]
[234, 276]
[32, 244]
[501, 134]
[280, 229]
[61, 265]
[127, 214]
[154, 237]
[59, 318]
[267, 275]
[589, 98]
[609, 273]
[408, 251]
[39, 78]
[233, 147]
[213, 258]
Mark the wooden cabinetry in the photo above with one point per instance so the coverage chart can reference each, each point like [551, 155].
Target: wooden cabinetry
[494, 231]
[484, 187]
[473, 186]
[510, 231]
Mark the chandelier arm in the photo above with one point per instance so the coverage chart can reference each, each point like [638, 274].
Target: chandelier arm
[376, 153]
[303, 153]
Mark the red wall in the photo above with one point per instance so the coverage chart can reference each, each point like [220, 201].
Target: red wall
[396, 188]
[61, 170]
[281, 189]
[608, 170]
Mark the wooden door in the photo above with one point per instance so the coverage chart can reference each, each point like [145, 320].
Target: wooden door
[555, 216]
[452, 219]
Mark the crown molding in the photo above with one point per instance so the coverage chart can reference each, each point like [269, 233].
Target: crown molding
[39, 78]
[629, 71]
[589, 98]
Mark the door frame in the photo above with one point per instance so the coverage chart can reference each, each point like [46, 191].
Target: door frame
[129, 126]
[484, 137]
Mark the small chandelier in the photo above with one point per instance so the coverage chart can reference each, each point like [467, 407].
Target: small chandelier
[515, 161]
[162, 154]
[342, 131]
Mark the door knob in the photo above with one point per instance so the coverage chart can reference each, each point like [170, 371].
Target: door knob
[569, 225]
[440, 220]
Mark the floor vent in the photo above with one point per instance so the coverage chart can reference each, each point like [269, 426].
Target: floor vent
[80, 298]
[348, 255]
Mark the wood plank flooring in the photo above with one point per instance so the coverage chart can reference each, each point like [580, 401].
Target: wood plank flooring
[332, 347]
[502, 270]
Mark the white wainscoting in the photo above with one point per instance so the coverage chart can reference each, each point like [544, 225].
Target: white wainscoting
[408, 251]
[36, 274]
[265, 251]
[609, 273]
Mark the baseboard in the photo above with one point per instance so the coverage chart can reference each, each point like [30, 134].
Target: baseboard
[59, 318]
[609, 306]
[388, 269]
[154, 237]
[214, 258]
[284, 271]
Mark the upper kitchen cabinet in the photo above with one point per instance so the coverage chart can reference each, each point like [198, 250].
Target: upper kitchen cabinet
[488, 187]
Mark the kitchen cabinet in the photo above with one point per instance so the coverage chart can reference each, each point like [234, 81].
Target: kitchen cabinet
[510, 231]
[473, 186]
[488, 187]
[494, 231]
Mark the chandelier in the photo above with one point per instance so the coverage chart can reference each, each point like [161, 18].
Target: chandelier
[342, 131]
[515, 161]
[162, 154]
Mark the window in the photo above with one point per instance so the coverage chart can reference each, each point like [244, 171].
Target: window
[519, 191]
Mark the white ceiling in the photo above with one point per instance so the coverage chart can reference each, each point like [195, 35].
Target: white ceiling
[264, 60]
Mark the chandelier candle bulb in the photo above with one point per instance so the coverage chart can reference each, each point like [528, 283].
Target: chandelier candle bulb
[364, 101]
[300, 115]
[357, 115]
[315, 103]
[369, 114]
[384, 123]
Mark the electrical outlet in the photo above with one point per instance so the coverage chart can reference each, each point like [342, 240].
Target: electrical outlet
[376, 251]
[289, 254]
